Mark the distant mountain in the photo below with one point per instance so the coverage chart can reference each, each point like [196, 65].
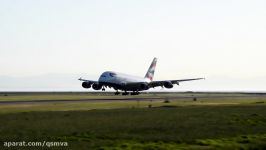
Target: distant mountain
[47, 82]
[69, 82]
[220, 83]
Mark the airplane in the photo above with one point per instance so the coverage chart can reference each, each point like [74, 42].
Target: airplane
[125, 82]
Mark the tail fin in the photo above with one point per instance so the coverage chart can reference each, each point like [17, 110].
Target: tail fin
[150, 72]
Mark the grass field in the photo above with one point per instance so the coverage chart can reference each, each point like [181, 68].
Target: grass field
[220, 123]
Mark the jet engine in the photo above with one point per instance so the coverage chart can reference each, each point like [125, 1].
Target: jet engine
[97, 86]
[168, 84]
[144, 86]
[86, 85]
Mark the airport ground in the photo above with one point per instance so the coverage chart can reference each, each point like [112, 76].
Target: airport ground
[185, 120]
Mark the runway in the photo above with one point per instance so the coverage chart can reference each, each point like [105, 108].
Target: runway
[123, 99]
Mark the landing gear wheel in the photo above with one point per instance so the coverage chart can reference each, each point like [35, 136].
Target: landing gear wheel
[117, 93]
[125, 93]
[134, 93]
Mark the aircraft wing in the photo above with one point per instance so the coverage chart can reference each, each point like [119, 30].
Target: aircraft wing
[161, 83]
[90, 81]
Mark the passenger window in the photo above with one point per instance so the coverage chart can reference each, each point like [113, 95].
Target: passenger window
[112, 74]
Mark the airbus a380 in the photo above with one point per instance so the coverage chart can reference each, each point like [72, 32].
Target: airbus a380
[124, 82]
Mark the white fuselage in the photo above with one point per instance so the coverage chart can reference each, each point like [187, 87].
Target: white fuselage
[118, 78]
[123, 81]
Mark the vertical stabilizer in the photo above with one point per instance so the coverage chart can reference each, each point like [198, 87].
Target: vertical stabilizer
[150, 72]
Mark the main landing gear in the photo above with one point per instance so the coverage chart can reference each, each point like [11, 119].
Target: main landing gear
[117, 93]
[135, 93]
[127, 93]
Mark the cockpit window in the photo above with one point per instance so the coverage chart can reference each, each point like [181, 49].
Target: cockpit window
[103, 76]
[112, 74]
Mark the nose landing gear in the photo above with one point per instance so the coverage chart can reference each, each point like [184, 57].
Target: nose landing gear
[135, 93]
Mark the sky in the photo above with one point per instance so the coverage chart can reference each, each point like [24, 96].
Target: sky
[47, 45]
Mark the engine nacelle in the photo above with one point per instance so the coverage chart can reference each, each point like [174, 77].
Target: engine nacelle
[86, 85]
[168, 84]
[97, 86]
[144, 86]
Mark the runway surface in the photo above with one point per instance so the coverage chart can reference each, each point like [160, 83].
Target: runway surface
[123, 99]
